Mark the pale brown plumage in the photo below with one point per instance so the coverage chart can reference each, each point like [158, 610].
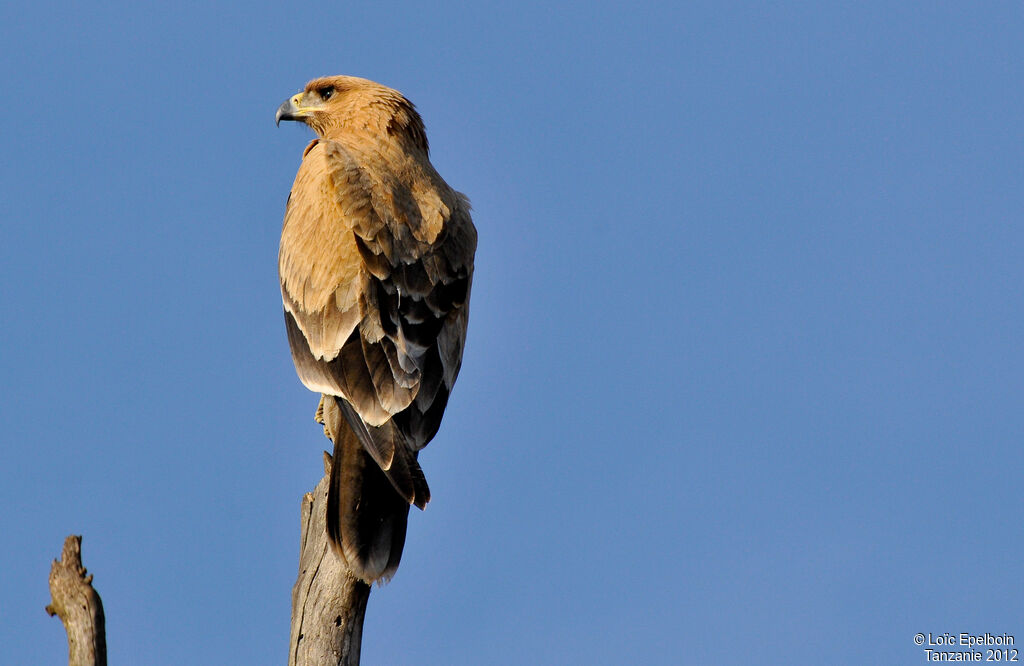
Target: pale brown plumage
[376, 263]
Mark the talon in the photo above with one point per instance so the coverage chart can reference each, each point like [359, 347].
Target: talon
[319, 418]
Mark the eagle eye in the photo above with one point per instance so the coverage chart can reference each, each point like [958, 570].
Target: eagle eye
[326, 93]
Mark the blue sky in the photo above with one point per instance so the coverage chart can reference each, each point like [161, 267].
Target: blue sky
[744, 374]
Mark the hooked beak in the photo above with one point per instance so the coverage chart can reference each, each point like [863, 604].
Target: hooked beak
[292, 109]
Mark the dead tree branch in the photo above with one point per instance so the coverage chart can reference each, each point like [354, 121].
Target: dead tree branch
[79, 607]
[328, 603]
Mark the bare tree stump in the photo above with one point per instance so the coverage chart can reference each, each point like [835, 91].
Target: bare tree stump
[328, 602]
[79, 607]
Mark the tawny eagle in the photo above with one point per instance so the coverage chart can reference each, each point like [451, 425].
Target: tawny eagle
[376, 263]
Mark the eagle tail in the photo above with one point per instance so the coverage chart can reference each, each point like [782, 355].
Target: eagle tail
[366, 518]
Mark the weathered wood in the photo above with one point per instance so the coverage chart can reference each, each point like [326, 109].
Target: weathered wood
[79, 607]
[328, 603]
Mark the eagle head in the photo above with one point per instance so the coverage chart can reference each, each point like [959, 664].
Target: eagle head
[337, 105]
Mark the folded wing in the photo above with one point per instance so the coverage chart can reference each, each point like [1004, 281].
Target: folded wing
[376, 269]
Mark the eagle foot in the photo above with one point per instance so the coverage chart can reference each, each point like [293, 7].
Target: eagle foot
[322, 419]
[319, 417]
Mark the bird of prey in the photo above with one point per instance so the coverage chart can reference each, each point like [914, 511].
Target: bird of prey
[376, 263]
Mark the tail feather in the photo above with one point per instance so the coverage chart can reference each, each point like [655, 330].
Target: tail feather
[366, 518]
[368, 507]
